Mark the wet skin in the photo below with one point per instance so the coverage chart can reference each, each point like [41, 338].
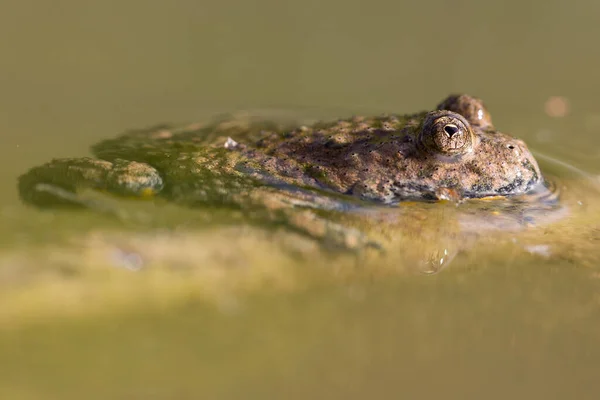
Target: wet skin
[453, 152]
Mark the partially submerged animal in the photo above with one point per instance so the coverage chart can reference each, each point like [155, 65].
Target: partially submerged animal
[453, 152]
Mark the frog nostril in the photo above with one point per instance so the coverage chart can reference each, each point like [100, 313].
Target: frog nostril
[451, 129]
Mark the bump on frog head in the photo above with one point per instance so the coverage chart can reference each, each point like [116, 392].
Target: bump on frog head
[469, 107]
[446, 133]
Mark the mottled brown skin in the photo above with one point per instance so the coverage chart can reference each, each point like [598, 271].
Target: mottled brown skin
[393, 158]
[453, 152]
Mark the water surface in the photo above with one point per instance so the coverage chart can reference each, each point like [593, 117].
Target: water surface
[229, 312]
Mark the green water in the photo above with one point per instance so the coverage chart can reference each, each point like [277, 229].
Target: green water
[205, 320]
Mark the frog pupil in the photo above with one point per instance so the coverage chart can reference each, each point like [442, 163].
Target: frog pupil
[451, 129]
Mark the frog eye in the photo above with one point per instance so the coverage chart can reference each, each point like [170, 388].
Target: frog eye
[469, 107]
[446, 132]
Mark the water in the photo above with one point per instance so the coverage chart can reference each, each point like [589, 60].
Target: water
[96, 308]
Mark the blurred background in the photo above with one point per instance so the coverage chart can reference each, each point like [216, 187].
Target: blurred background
[75, 72]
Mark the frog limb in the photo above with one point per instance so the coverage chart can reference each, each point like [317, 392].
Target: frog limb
[60, 182]
[298, 212]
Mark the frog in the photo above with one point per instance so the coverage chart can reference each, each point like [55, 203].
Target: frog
[277, 171]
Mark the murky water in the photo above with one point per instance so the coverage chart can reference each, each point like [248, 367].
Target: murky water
[173, 307]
